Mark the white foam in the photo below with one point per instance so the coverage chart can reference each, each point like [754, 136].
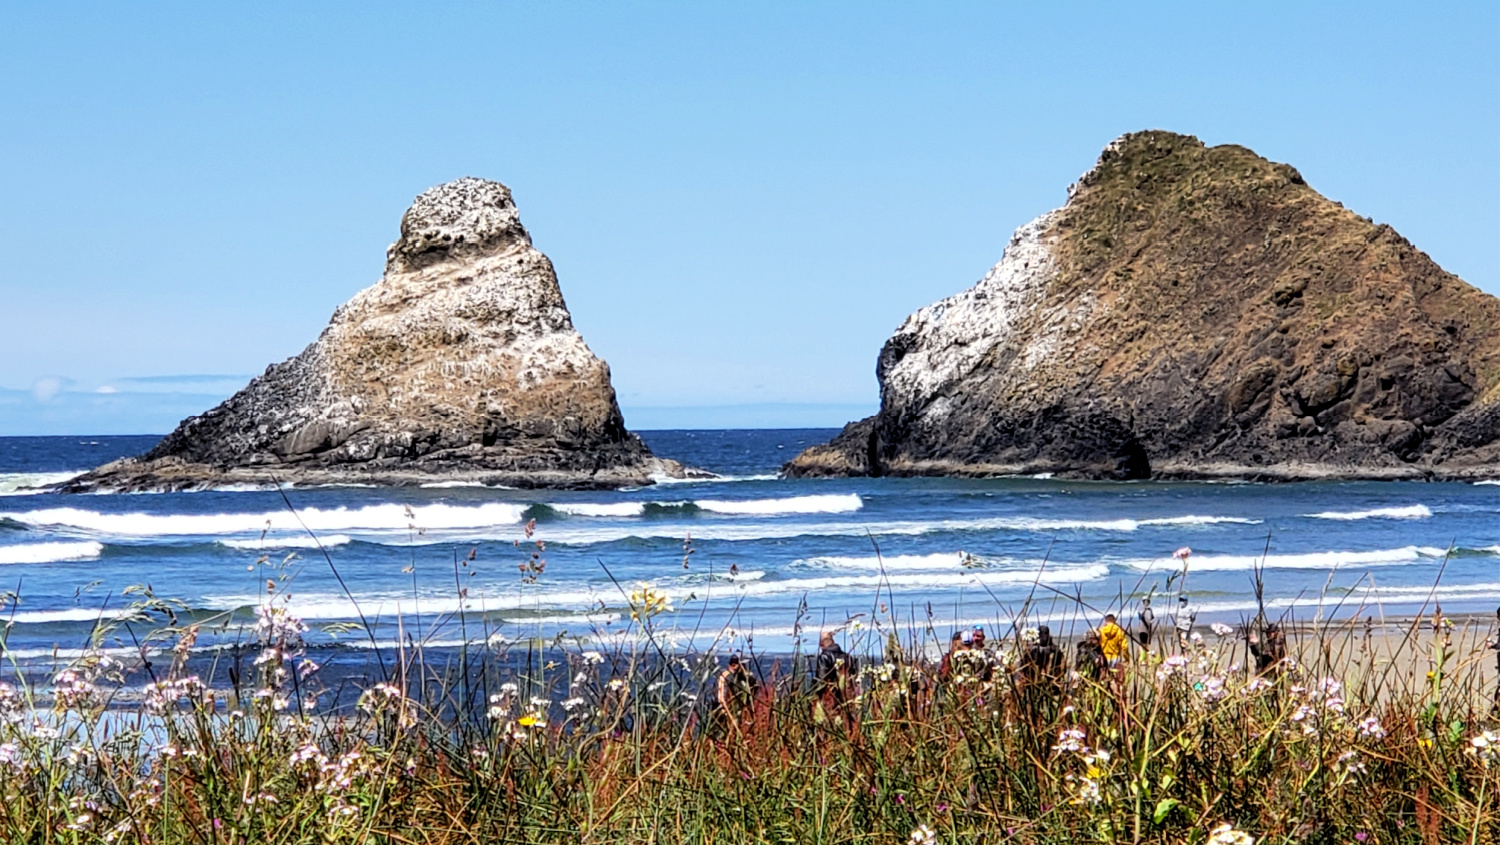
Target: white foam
[1295, 561]
[599, 509]
[1195, 520]
[60, 615]
[814, 504]
[1488, 482]
[45, 553]
[303, 542]
[933, 561]
[388, 517]
[1408, 512]
[460, 483]
[662, 479]
[25, 484]
[583, 534]
[547, 597]
[73, 654]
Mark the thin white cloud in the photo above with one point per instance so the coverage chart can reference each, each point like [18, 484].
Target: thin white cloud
[46, 388]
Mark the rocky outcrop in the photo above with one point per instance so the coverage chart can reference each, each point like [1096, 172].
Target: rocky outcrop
[1191, 312]
[462, 363]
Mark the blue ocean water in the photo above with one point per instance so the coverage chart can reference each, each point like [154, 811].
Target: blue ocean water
[766, 553]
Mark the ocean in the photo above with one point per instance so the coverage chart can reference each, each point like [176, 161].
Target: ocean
[746, 560]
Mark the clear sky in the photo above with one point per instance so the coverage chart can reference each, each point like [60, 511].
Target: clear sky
[741, 200]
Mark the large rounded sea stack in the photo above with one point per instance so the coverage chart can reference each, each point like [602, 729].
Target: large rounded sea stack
[1191, 312]
[462, 363]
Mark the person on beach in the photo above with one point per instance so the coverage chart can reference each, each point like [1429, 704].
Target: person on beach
[832, 675]
[1148, 621]
[1043, 660]
[1186, 616]
[983, 665]
[1112, 641]
[834, 666]
[1269, 654]
[735, 692]
[1090, 661]
[945, 669]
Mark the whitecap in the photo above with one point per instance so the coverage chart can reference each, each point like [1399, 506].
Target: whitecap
[387, 607]
[26, 484]
[303, 542]
[388, 517]
[1406, 512]
[599, 509]
[813, 504]
[462, 483]
[1294, 561]
[60, 615]
[50, 551]
[1195, 520]
[932, 561]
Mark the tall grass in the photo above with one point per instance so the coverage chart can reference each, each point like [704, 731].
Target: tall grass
[1359, 738]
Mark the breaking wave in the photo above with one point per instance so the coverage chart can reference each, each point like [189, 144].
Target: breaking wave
[25, 484]
[49, 552]
[815, 504]
[1299, 561]
[373, 518]
[1407, 512]
[303, 542]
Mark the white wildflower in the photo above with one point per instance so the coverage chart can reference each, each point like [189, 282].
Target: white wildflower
[923, 835]
[1228, 835]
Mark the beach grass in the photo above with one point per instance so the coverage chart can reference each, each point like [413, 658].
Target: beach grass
[1366, 733]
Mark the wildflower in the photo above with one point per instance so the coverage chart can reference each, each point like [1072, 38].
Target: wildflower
[1370, 727]
[592, 657]
[1228, 835]
[571, 704]
[1030, 634]
[308, 752]
[646, 602]
[532, 721]
[1070, 740]
[1174, 665]
[923, 835]
[1211, 689]
[80, 822]
[275, 624]
[1088, 790]
[1349, 762]
[1182, 554]
[1485, 747]
[10, 755]
[1221, 630]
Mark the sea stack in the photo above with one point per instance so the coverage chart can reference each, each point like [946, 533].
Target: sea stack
[1191, 312]
[461, 363]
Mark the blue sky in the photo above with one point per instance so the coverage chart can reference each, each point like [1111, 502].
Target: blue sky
[741, 200]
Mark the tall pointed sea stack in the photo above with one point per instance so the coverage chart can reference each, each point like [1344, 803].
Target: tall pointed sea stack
[462, 363]
[1191, 312]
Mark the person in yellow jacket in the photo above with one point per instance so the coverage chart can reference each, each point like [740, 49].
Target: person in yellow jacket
[1112, 641]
